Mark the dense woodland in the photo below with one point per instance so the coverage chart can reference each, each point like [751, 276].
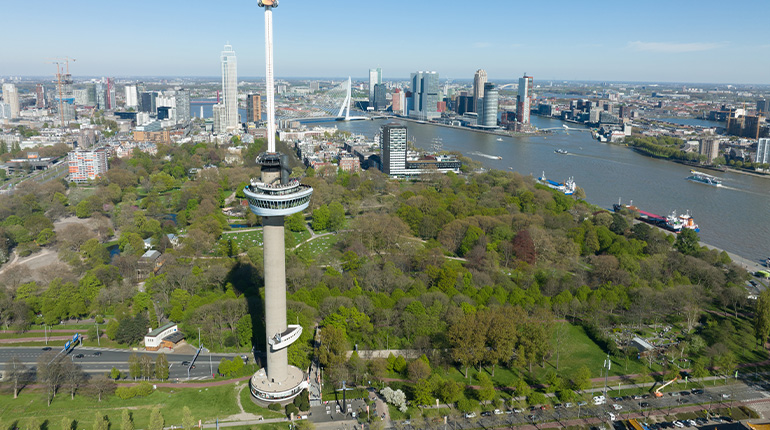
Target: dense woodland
[482, 264]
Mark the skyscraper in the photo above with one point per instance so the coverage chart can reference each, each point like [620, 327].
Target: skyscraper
[11, 96]
[110, 95]
[132, 101]
[479, 79]
[254, 108]
[524, 99]
[230, 89]
[375, 77]
[763, 151]
[399, 102]
[380, 100]
[490, 105]
[273, 196]
[40, 96]
[424, 96]
[393, 149]
[182, 98]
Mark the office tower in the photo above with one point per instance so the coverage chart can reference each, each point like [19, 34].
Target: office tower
[148, 102]
[524, 99]
[110, 95]
[490, 105]
[85, 165]
[230, 89]
[273, 196]
[424, 96]
[479, 79]
[167, 102]
[380, 100]
[399, 102]
[393, 149]
[375, 77]
[254, 108]
[182, 102]
[81, 96]
[39, 96]
[132, 101]
[101, 96]
[11, 96]
[763, 151]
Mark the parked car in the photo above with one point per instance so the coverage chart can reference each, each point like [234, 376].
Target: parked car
[725, 396]
[697, 391]
[498, 412]
[611, 416]
[517, 410]
[486, 414]
[582, 403]
[470, 415]
[679, 424]
[569, 405]
[692, 423]
[617, 407]
[644, 405]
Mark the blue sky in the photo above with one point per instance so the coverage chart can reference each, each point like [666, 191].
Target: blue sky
[671, 41]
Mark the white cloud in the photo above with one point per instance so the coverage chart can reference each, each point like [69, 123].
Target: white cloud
[673, 48]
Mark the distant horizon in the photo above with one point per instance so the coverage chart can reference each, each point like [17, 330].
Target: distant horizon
[366, 78]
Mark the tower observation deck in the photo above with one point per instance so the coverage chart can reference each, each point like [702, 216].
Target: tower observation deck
[273, 196]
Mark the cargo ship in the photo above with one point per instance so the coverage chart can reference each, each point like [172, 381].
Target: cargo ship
[672, 222]
[568, 187]
[704, 178]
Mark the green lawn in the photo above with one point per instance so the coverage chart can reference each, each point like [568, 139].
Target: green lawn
[309, 251]
[246, 239]
[206, 404]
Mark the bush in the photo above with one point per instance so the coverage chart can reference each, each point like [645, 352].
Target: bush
[143, 389]
[274, 407]
[302, 402]
[291, 409]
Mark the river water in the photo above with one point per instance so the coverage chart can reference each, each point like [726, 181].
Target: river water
[733, 217]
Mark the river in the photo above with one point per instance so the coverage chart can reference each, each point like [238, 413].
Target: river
[733, 217]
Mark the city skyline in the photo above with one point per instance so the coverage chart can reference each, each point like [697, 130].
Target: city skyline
[563, 41]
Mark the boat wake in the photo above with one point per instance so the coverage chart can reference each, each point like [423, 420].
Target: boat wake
[491, 157]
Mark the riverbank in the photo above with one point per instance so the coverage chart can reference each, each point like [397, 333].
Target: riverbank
[501, 133]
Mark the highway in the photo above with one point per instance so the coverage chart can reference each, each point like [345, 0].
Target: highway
[109, 358]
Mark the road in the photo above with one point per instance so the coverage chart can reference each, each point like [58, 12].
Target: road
[110, 358]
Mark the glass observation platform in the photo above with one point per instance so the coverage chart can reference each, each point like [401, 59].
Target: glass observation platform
[277, 199]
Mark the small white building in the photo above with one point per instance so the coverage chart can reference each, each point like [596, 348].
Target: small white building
[165, 336]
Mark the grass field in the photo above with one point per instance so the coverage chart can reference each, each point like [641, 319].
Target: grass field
[316, 247]
[248, 239]
[206, 404]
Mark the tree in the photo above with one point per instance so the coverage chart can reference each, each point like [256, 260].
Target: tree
[101, 422]
[74, 377]
[450, 391]
[762, 317]
[334, 346]
[127, 420]
[321, 218]
[188, 423]
[419, 369]
[156, 420]
[486, 391]
[467, 342]
[66, 424]
[161, 367]
[134, 366]
[336, 216]
[145, 362]
[51, 371]
[102, 386]
[582, 379]
[687, 242]
[423, 393]
[17, 373]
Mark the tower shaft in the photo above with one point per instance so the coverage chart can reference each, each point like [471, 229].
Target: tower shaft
[269, 81]
[275, 294]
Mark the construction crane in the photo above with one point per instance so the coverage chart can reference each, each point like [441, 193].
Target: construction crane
[67, 78]
[657, 391]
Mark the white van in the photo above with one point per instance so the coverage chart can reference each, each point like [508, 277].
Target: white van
[599, 400]
[611, 416]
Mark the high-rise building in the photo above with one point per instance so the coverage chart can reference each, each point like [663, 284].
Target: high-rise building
[524, 99]
[393, 149]
[11, 96]
[710, 148]
[40, 96]
[254, 108]
[490, 105]
[762, 107]
[375, 77]
[230, 89]
[101, 96]
[763, 151]
[132, 101]
[424, 96]
[148, 102]
[399, 102]
[380, 97]
[219, 116]
[182, 101]
[87, 165]
[479, 79]
[167, 101]
[111, 95]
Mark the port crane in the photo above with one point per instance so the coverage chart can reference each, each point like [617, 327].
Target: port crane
[657, 390]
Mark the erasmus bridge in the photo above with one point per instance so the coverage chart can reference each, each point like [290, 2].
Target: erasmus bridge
[327, 105]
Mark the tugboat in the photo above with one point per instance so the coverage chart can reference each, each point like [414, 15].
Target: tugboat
[568, 187]
[560, 151]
